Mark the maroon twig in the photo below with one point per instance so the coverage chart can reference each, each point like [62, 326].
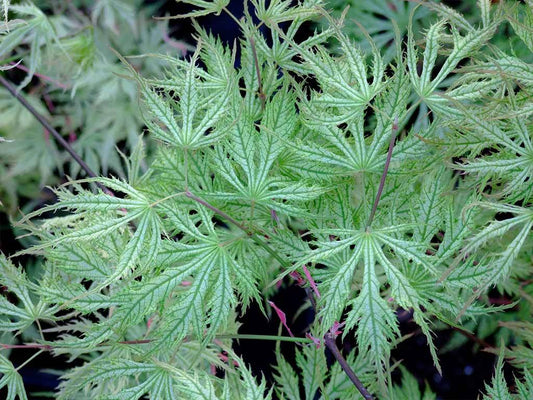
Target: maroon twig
[329, 339]
[49, 128]
[217, 211]
[472, 337]
[40, 76]
[260, 92]
[27, 346]
[384, 174]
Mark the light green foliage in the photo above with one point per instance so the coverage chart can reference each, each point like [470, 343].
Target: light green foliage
[521, 355]
[35, 30]
[5, 8]
[69, 48]
[331, 382]
[206, 7]
[410, 389]
[499, 389]
[257, 170]
[381, 20]
[12, 380]
[18, 318]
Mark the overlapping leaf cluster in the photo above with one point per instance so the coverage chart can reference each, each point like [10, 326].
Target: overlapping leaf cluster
[275, 164]
[66, 49]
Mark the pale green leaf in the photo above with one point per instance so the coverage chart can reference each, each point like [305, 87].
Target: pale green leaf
[206, 7]
[10, 378]
[498, 388]
[312, 362]
[286, 378]
[375, 322]
[338, 288]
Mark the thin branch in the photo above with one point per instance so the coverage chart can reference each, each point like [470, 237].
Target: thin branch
[139, 341]
[260, 93]
[472, 337]
[270, 251]
[40, 76]
[237, 336]
[54, 133]
[329, 340]
[186, 167]
[384, 175]
[217, 211]
[229, 219]
[311, 298]
[27, 346]
[332, 346]
[265, 337]
[233, 17]
[29, 360]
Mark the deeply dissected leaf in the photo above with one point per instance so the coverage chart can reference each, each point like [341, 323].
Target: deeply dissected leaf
[263, 160]
[11, 379]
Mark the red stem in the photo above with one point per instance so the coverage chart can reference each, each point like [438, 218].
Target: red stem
[41, 76]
